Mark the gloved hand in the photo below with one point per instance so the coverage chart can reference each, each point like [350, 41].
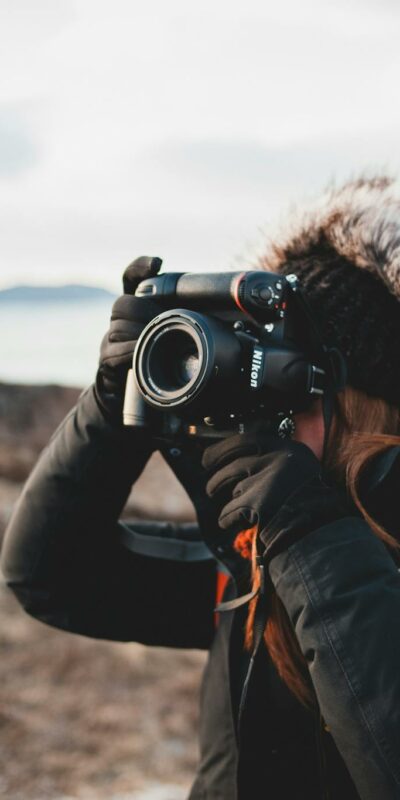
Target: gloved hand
[275, 484]
[129, 316]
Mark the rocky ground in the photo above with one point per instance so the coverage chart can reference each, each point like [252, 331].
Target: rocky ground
[82, 718]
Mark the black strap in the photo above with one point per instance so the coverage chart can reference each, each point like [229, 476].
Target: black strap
[330, 358]
[232, 605]
[321, 755]
[327, 411]
[335, 382]
[260, 621]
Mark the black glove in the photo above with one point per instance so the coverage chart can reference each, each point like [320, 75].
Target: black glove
[275, 484]
[129, 316]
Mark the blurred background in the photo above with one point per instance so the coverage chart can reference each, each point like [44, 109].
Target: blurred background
[174, 129]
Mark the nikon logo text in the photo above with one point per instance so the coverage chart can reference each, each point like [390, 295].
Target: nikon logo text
[256, 368]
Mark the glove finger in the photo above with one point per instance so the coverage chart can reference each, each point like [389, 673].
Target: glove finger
[140, 309]
[241, 445]
[223, 490]
[237, 517]
[270, 488]
[123, 329]
[103, 347]
[259, 484]
[116, 353]
[141, 268]
[235, 472]
[227, 450]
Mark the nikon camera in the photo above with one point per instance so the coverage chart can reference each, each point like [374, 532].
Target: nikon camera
[229, 348]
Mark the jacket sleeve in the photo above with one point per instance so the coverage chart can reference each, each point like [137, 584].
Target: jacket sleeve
[71, 563]
[341, 589]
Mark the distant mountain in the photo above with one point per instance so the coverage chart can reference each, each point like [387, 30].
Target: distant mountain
[40, 294]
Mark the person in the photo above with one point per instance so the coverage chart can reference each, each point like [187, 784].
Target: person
[321, 715]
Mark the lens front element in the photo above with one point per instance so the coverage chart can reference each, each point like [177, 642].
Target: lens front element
[183, 356]
[172, 360]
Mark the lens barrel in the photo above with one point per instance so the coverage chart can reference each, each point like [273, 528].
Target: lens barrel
[182, 356]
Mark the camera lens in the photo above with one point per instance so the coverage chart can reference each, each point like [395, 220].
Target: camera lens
[173, 360]
[189, 367]
[182, 357]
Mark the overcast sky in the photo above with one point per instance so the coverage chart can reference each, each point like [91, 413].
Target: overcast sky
[181, 129]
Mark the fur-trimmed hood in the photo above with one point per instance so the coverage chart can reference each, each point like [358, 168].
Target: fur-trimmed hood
[359, 221]
[346, 252]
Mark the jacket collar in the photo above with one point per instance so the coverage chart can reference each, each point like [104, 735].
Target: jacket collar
[380, 490]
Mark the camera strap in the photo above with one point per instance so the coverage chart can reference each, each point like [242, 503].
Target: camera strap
[330, 359]
[260, 620]
[336, 374]
[261, 594]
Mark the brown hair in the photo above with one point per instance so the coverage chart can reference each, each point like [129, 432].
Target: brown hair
[362, 427]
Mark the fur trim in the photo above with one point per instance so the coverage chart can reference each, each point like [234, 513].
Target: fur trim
[359, 222]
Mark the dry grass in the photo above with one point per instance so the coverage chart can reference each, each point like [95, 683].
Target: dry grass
[91, 719]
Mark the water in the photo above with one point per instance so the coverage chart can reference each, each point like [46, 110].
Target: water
[52, 342]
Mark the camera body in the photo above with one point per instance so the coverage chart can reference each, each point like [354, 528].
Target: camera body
[229, 349]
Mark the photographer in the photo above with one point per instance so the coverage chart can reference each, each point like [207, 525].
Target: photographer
[306, 526]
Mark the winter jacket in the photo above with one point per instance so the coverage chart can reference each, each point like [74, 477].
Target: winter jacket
[73, 565]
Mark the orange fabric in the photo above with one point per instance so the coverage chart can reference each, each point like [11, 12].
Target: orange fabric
[222, 580]
[243, 543]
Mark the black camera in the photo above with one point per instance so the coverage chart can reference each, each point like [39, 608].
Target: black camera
[230, 348]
